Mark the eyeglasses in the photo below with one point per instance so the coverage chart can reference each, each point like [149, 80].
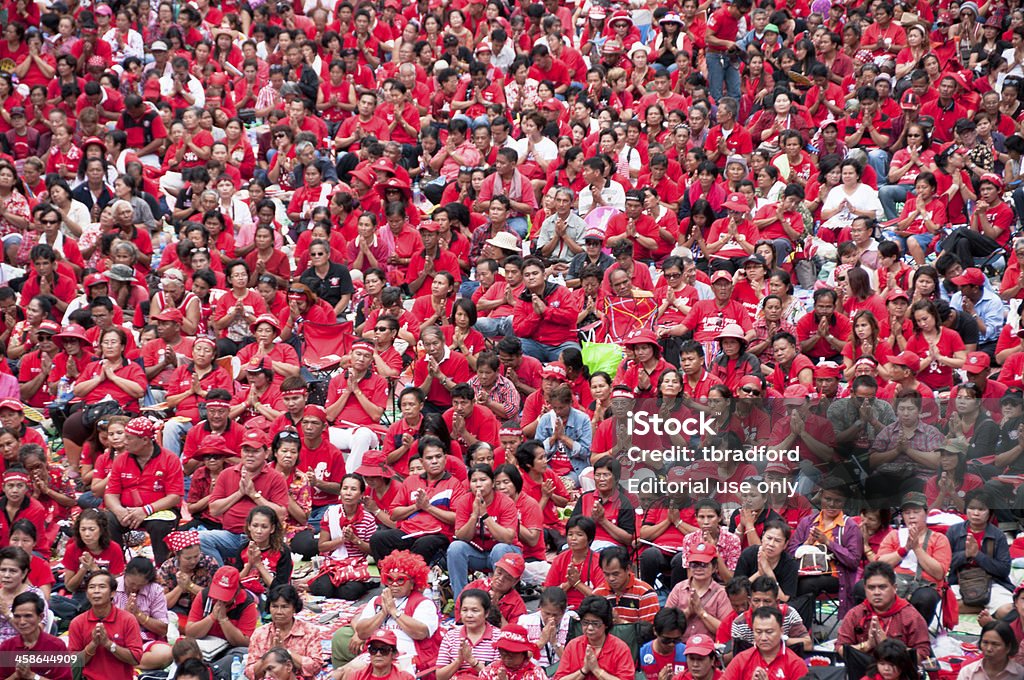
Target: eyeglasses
[751, 390]
[590, 623]
[399, 580]
[669, 640]
[289, 436]
[673, 276]
[279, 135]
[43, 337]
[914, 135]
[376, 650]
[699, 565]
[318, 254]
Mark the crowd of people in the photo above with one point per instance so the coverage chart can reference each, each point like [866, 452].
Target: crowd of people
[308, 301]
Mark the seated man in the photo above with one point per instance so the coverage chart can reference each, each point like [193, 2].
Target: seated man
[356, 399]
[634, 603]
[608, 506]
[425, 508]
[321, 462]
[227, 611]
[769, 655]
[218, 403]
[881, 616]
[501, 586]
[764, 592]
[470, 422]
[567, 434]
[164, 353]
[239, 489]
[107, 639]
[439, 371]
[27, 619]
[145, 488]
[544, 317]
[919, 554]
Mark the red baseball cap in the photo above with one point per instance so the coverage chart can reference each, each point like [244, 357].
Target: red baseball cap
[972, 276]
[977, 362]
[255, 439]
[225, 584]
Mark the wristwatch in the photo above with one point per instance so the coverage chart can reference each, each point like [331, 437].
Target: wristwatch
[113, 647]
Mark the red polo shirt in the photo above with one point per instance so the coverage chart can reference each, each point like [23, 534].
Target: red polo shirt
[137, 486]
[442, 493]
[329, 465]
[706, 319]
[481, 423]
[122, 629]
[502, 509]
[453, 366]
[269, 482]
[785, 665]
[153, 353]
[130, 371]
[372, 385]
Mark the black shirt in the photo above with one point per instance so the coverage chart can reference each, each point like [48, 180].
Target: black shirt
[336, 283]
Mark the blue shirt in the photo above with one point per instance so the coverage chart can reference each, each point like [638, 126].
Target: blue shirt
[651, 664]
[990, 309]
[578, 428]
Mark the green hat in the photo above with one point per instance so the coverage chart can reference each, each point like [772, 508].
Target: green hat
[771, 28]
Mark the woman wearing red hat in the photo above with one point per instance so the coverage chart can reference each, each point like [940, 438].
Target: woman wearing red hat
[383, 650]
[515, 651]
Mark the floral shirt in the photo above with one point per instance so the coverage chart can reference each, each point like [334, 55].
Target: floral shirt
[16, 204]
[202, 576]
[298, 489]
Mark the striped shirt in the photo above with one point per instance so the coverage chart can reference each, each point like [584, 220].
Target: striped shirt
[503, 392]
[638, 601]
[484, 649]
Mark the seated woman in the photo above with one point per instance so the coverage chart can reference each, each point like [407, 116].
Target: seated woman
[875, 525]
[979, 543]
[185, 573]
[577, 570]
[401, 608]
[708, 521]
[999, 645]
[345, 532]
[140, 595]
[771, 559]
[947, 489]
[832, 530]
[300, 639]
[515, 651]
[596, 654]
[265, 560]
[40, 575]
[14, 569]
[544, 486]
[467, 649]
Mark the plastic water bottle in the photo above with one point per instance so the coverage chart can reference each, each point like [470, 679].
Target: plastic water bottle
[417, 194]
[64, 391]
[236, 668]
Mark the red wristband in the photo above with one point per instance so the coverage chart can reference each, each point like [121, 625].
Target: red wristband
[902, 551]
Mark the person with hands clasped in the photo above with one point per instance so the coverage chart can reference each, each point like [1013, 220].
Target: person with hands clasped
[486, 528]
[769, 657]
[27, 611]
[596, 655]
[227, 611]
[466, 650]
[106, 639]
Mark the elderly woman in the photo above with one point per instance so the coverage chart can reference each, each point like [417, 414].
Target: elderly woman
[300, 639]
[835, 532]
[284, 361]
[140, 595]
[185, 573]
[172, 293]
[383, 650]
[401, 608]
[134, 230]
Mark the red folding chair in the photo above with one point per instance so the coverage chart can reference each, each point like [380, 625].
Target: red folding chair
[323, 346]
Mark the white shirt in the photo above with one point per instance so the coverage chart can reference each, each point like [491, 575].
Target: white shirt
[613, 194]
[133, 45]
[195, 88]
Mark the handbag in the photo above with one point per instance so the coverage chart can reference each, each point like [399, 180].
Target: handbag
[975, 582]
[907, 585]
[247, 115]
[94, 412]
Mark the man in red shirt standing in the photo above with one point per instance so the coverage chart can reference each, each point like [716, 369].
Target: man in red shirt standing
[723, 56]
[145, 488]
[107, 639]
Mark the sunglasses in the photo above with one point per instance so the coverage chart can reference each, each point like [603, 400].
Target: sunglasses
[672, 276]
[376, 650]
[49, 221]
[382, 329]
[751, 390]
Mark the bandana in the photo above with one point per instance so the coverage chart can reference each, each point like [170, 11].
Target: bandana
[179, 540]
[141, 427]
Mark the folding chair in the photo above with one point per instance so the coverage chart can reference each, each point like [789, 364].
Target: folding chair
[323, 346]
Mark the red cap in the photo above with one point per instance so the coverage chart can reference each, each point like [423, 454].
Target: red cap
[972, 276]
[977, 362]
[644, 336]
[700, 645]
[171, 314]
[430, 225]
[513, 563]
[751, 381]
[551, 105]
[259, 364]
[513, 638]
[179, 540]
[897, 294]
[374, 465]
[95, 280]
[703, 552]
[992, 178]
[266, 318]
[555, 370]
[385, 637]
[736, 201]
[12, 404]
[910, 101]
[225, 584]
[72, 332]
[215, 445]
[256, 439]
[908, 359]
[721, 275]
[48, 326]
[945, 17]
[796, 392]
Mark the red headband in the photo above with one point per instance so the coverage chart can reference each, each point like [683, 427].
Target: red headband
[16, 476]
[217, 402]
